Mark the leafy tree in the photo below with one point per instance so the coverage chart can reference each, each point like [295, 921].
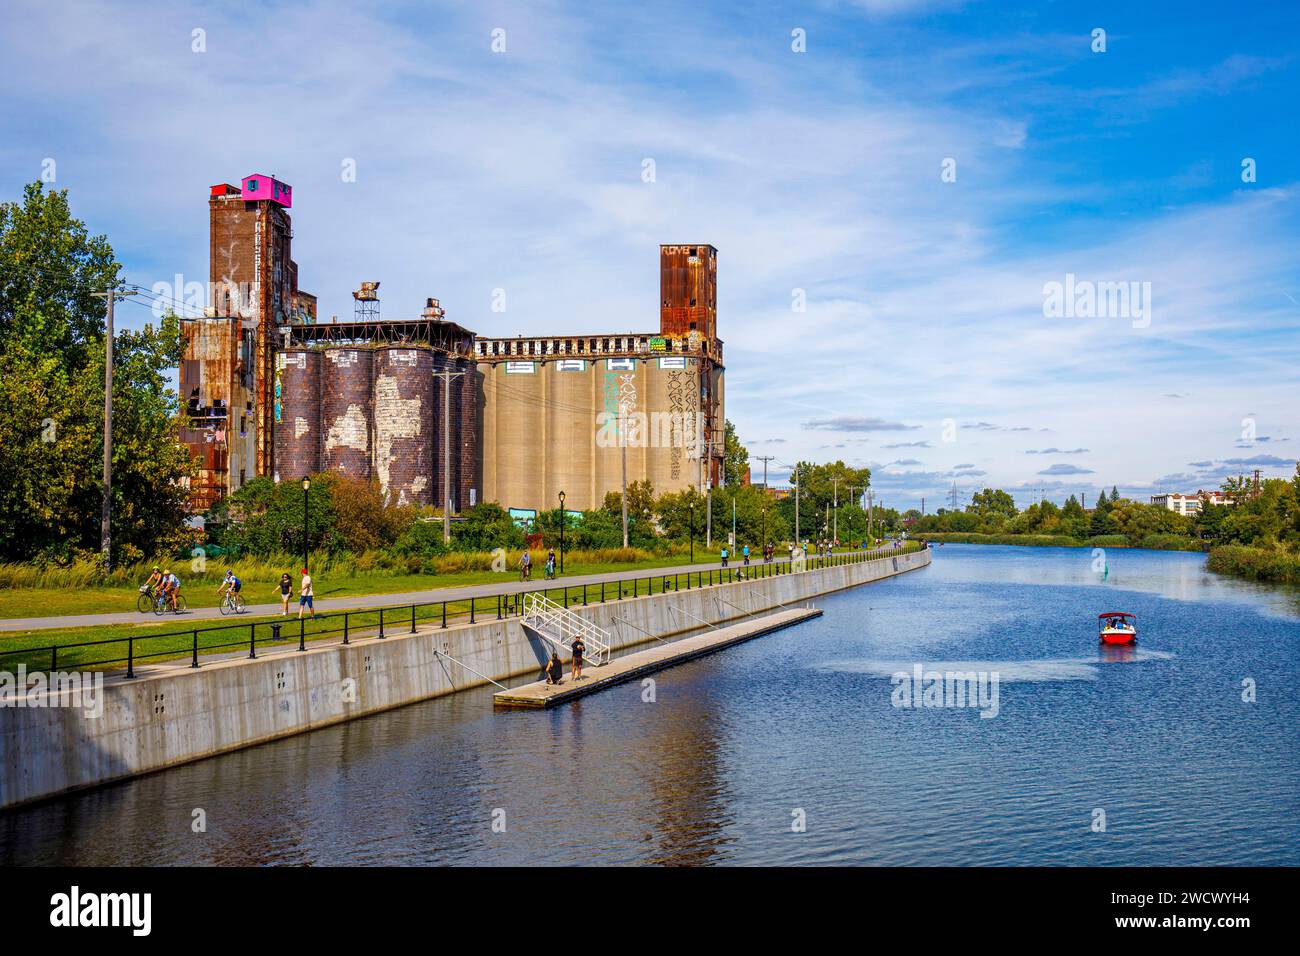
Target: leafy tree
[264, 517]
[735, 461]
[993, 506]
[52, 353]
[484, 527]
[673, 510]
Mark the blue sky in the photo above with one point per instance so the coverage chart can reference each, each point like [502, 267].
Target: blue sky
[923, 350]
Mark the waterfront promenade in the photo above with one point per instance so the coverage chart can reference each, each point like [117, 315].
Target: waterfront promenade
[509, 584]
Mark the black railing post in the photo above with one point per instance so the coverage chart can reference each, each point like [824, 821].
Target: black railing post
[471, 610]
[346, 615]
[381, 623]
[412, 618]
[602, 592]
[566, 596]
[252, 641]
[444, 613]
[302, 633]
[194, 660]
[130, 657]
[584, 595]
[498, 607]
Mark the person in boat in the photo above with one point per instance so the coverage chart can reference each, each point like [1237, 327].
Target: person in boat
[554, 669]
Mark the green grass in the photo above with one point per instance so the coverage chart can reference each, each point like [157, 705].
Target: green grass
[171, 637]
[201, 592]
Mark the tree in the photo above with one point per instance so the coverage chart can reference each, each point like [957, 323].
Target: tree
[52, 353]
[485, 527]
[992, 505]
[735, 463]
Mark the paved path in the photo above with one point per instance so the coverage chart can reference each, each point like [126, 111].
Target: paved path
[631, 666]
[509, 584]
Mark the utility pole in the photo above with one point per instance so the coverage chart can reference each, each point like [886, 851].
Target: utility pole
[622, 440]
[106, 507]
[765, 459]
[708, 495]
[446, 451]
[798, 542]
[835, 483]
[923, 506]
[871, 537]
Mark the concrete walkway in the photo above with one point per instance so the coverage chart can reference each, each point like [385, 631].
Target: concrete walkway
[509, 584]
[631, 666]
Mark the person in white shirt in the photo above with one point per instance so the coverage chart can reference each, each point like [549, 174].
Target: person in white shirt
[305, 595]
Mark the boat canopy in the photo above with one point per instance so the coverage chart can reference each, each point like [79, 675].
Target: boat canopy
[1116, 614]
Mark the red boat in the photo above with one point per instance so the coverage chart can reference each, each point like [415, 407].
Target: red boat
[1116, 627]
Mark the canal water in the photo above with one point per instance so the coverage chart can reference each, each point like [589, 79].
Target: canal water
[791, 750]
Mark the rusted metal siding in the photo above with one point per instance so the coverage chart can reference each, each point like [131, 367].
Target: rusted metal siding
[298, 433]
[688, 290]
[347, 419]
[215, 400]
[403, 416]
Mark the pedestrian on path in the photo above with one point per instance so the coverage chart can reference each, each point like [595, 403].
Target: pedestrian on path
[286, 592]
[724, 557]
[305, 595]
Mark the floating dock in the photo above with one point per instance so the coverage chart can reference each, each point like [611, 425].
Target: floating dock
[631, 666]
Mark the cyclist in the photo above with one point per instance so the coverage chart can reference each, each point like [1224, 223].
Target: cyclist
[155, 581]
[231, 585]
[170, 587]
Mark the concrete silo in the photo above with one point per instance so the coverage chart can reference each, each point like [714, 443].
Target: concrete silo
[297, 430]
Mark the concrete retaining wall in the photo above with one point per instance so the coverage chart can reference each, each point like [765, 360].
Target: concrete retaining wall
[159, 721]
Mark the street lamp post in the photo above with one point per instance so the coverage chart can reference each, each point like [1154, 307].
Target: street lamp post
[692, 532]
[562, 532]
[306, 525]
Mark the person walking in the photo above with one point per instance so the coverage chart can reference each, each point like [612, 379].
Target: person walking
[526, 566]
[305, 599]
[579, 649]
[745, 553]
[550, 564]
[286, 592]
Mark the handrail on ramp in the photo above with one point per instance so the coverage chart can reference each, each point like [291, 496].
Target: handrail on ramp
[560, 626]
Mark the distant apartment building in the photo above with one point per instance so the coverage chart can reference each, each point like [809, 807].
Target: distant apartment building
[1191, 504]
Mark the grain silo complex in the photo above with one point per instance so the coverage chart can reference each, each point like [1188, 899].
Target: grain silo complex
[432, 413]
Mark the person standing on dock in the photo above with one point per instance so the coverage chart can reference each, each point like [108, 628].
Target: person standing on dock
[579, 649]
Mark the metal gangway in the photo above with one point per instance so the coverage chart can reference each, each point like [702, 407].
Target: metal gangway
[557, 624]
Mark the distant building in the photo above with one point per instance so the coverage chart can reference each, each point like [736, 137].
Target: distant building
[1191, 504]
[423, 404]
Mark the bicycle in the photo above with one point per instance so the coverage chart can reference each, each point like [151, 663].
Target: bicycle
[160, 606]
[232, 604]
[145, 602]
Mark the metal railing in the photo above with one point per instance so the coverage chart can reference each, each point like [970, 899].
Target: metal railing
[561, 626]
[382, 622]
